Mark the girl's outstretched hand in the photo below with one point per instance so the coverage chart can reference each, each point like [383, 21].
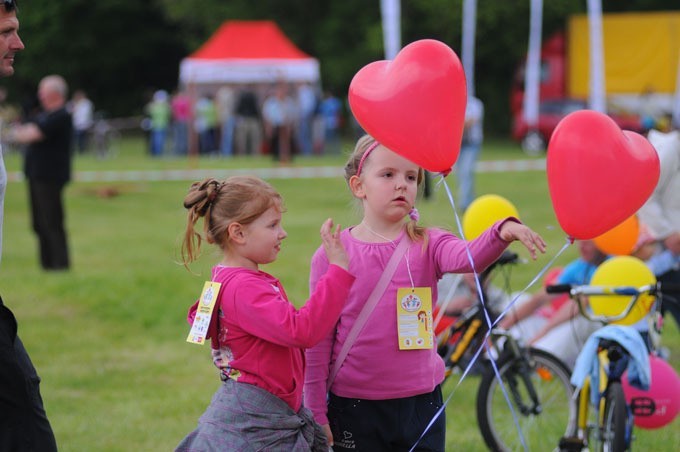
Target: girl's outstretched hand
[511, 231]
[335, 251]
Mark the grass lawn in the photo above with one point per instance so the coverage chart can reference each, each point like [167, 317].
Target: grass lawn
[108, 337]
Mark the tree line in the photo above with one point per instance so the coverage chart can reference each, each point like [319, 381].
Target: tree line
[120, 51]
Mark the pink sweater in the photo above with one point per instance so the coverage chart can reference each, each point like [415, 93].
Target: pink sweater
[375, 368]
[262, 336]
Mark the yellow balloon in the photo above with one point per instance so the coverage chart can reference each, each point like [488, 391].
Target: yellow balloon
[622, 271]
[483, 212]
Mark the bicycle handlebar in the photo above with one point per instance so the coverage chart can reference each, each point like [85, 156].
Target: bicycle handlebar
[575, 290]
[578, 291]
[508, 257]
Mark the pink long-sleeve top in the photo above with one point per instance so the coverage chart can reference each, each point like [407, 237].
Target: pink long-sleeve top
[375, 368]
[259, 337]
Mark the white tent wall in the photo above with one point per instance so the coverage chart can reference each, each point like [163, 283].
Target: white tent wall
[197, 71]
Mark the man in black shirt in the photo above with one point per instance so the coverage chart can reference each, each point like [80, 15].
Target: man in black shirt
[248, 135]
[48, 169]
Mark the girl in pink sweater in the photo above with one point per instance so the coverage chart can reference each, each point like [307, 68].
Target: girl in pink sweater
[258, 337]
[386, 390]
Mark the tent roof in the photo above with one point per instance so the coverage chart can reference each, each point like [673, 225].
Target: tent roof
[248, 51]
[248, 39]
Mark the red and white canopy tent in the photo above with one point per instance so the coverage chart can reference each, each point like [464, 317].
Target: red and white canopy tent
[255, 53]
[242, 52]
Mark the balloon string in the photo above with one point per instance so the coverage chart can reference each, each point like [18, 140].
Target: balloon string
[484, 345]
[484, 342]
[478, 285]
[533, 281]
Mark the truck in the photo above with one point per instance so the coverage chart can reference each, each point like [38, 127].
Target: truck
[641, 58]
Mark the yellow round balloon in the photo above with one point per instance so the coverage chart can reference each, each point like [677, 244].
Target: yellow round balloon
[483, 212]
[622, 271]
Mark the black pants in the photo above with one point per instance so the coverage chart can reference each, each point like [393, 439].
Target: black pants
[47, 213]
[387, 425]
[23, 422]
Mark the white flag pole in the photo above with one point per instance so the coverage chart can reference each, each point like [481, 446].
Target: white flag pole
[533, 65]
[391, 24]
[675, 119]
[468, 44]
[597, 99]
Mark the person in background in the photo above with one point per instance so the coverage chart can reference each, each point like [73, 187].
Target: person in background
[330, 110]
[24, 425]
[225, 100]
[8, 113]
[279, 114]
[82, 110]
[661, 214]
[258, 336]
[359, 404]
[180, 106]
[307, 105]
[205, 123]
[473, 135]
[248, 123]
[159, 113]
[47, 166]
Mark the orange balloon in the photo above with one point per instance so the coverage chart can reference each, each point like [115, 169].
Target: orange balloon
[621, 239]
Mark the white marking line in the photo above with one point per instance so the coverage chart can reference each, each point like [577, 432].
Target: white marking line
[308, 172]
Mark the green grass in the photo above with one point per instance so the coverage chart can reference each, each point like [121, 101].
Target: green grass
[108, 337]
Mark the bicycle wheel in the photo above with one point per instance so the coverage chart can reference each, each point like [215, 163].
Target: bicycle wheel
[614, 429]
[543, 424]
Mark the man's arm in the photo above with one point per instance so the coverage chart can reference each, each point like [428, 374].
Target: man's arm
[25, 134]
[524, 310]
[566, 312]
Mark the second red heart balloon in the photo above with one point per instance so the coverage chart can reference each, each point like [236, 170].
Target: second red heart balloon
[598, 175]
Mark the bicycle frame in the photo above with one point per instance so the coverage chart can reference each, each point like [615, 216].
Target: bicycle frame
[467, 327]
[472, 323]
[611, 354]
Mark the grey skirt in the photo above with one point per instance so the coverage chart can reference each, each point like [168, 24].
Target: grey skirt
[243, 417]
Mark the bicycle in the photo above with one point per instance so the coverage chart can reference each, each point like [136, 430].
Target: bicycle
[537, 383]
[610, 426]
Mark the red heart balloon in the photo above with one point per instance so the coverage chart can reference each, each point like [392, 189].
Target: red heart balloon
[414, 104]
[598, 175]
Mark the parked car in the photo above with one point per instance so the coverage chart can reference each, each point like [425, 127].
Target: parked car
[550, 113]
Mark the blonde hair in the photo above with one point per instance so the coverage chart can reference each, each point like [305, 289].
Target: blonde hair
[239, 199]
[414, 231]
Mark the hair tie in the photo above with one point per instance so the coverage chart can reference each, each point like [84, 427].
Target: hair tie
[213, 194]
[373, 145]
[414, 214]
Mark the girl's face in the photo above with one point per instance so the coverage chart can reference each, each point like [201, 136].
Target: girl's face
[389, 185]
[263, 238]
